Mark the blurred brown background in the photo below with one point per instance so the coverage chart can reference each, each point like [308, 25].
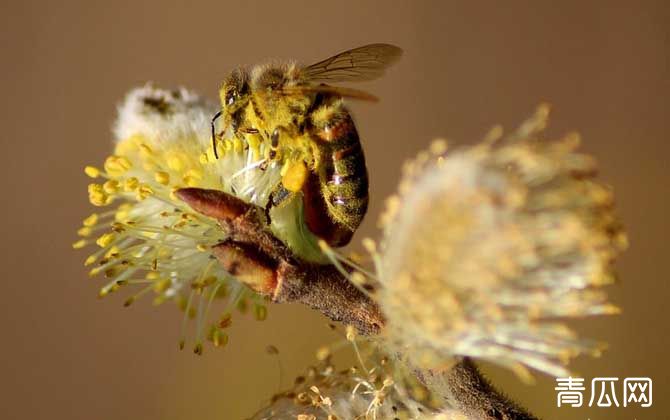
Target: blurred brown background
[468, 65]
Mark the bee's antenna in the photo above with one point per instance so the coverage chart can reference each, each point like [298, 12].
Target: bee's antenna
[216, 116]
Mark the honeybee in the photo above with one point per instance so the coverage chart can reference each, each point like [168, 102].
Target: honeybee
[309, 129]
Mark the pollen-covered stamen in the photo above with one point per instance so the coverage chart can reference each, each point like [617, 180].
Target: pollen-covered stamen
[365, 280]
[486, 247]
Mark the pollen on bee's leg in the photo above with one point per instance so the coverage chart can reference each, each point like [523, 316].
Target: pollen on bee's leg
[213, 203]
[294, 175]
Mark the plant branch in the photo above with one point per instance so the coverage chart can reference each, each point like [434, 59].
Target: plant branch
[257, 258]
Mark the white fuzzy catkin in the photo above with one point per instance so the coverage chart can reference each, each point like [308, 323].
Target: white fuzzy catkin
[486, 248]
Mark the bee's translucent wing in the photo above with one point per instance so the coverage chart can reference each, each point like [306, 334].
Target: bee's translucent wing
[335, 90]
[363, 63]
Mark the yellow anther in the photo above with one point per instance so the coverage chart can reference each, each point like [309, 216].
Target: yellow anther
[91, 220]
[219, 338]
[144, 191]
[162, 285]
[124, 162]
[190, 181]
[173, 194]
[127, 146]
[117, 165]
[111, 186]
[113, 251]
[92, 171]
[85, 231]
[131, 184]
[79, 244]
[121, 215]
[89, 260]
[174, 162]
[162, 177]
[226, 320]
[145, 151]
[105, 240]
[370, 245]
[92, 188]
[98, 199]
[97, 195]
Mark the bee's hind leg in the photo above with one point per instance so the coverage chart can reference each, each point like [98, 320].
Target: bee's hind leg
[278, 196]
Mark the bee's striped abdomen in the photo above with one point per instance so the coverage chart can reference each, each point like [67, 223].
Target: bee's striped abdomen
[343, 182]
[345, 185]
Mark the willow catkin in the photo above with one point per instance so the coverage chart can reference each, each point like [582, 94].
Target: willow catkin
[486, 248]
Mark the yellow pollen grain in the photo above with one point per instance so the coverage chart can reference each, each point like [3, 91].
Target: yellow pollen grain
[105, 240]
[202, 248]
[162, 177]
[92, 171]
[89, 260]
[79, 244]
[204, 160]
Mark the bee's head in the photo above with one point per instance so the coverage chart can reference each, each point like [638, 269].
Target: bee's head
[235, 91]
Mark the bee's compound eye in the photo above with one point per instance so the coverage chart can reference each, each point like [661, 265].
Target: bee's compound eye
[230, 98]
